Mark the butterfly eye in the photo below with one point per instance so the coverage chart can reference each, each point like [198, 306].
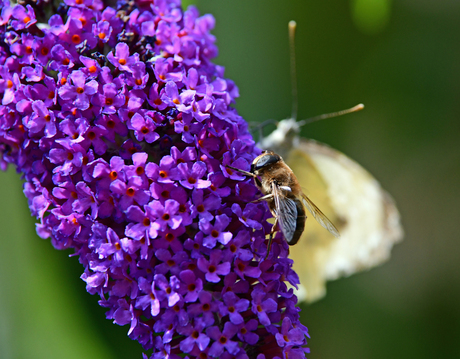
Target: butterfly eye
[266, 160]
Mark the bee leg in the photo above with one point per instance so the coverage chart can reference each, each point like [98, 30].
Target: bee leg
[242, 171]
[263, 198]
[270, 239]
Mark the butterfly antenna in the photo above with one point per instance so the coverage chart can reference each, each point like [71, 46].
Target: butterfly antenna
[292, 27]
[332, 114]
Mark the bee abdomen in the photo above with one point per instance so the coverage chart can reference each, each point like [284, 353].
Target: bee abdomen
[300, 223]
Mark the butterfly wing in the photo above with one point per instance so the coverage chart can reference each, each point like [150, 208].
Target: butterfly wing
[364, 213]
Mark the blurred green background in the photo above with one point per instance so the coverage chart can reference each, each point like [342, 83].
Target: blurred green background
[402, 60]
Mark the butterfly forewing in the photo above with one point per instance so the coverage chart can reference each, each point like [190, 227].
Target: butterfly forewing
[366, 215]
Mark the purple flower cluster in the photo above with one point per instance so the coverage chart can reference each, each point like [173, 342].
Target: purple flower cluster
[122, 129]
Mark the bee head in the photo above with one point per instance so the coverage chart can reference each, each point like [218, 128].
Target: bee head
[264, 160]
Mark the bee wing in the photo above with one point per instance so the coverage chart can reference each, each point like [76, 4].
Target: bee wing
[286, 213]
[320, 216]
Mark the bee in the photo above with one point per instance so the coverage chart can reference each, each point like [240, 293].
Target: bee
[286, 200]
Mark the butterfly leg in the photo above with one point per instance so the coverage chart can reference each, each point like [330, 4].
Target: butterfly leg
[270, 239]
